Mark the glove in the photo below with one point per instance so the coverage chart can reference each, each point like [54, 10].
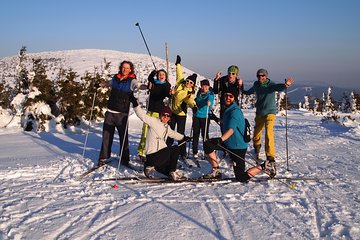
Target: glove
[133, 100]
[216, 141]
[187, 139]
[178, 60]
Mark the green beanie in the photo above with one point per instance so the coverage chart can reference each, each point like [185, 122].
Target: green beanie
[233, 69]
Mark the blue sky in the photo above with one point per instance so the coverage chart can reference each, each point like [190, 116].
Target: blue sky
[311, 40]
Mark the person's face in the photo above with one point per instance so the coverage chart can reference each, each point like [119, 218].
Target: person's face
[261, 77]
[162, 76]
[229, 99]
[189, 83]
[165, 117]
[126, 69]
[232, 76]
[205, 88]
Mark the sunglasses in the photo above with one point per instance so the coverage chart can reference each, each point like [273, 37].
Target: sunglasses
[232, 73]
[189, 81]
[166, 115]
[261, 75]
[229, 95]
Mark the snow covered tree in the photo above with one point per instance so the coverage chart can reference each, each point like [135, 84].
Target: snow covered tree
[355, 102]
[22, 80]
[329, 101]
[40, 97]
[318, 106]
[307, 102]
[5, 94]
[282, 100]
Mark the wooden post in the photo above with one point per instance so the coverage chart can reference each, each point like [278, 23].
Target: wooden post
[167, 58]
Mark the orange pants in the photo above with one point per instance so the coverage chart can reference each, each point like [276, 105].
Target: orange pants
[268, 121]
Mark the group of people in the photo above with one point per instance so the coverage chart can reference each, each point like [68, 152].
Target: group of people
[156, 147]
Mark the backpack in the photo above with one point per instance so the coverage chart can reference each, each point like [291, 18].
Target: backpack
[247, 131]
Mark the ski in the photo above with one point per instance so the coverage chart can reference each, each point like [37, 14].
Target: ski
[131, 167]
[140, 180]
[95, 168]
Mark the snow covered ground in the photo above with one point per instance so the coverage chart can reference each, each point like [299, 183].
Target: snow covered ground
[42, 197]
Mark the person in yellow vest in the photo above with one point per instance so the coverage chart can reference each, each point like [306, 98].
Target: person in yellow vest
[183, 97]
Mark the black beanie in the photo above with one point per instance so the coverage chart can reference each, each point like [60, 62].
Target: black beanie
[192, 77]
[232, 91]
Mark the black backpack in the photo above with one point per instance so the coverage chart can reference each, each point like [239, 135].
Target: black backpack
[247, 132]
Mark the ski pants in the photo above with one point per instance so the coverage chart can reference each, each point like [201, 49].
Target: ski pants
[165, 160]
[238, 159]
[268, 121]
[145, 128]
[180, 123]
[199, 124]
[112, 121]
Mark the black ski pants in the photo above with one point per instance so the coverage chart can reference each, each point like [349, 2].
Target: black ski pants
[238, 161]
[112, 121]
[179, 122]
[199, 124]
[165, 160]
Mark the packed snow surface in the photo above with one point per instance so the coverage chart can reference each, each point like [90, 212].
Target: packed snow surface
[42, 196]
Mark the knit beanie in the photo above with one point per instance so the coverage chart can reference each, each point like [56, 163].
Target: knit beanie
[165, 110]
[262, 71]
[232, 91]
[233, 69]
[192, 77]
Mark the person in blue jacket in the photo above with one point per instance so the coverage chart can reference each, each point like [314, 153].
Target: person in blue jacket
[122, 86]
[233, 125]
[204, 102]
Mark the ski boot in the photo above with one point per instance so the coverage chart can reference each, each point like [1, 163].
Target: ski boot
[215, 174]
[270, 167]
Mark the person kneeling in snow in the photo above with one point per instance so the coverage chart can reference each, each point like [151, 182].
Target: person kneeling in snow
[159, 156]
[231, 139]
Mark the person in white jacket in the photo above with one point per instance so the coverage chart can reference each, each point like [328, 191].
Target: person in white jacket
[159, 156]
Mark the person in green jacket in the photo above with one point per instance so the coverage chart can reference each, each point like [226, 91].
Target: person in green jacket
[265, 89]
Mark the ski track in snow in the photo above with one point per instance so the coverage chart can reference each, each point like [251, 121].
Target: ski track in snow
[46, 200]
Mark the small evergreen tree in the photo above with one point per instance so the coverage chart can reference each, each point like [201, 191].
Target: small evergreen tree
[307, 102]
[70, 99]
[355, 102]
[329, 101]
[5, 94]
[22, 80]
[345, 104]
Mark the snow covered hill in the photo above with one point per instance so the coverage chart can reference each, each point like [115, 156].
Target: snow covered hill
[86, 59]
[42, 197]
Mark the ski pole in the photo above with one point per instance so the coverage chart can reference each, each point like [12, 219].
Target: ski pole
[206, 124]
[137, 24]
[88, 129]
[191, 132]
[286, 132]
[253, 165]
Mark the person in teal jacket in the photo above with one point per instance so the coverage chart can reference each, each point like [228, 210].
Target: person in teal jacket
[204, 102]
[265, 90]
[231, 139]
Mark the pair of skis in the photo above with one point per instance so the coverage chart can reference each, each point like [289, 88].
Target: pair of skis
[142, 180]
[93, 169]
